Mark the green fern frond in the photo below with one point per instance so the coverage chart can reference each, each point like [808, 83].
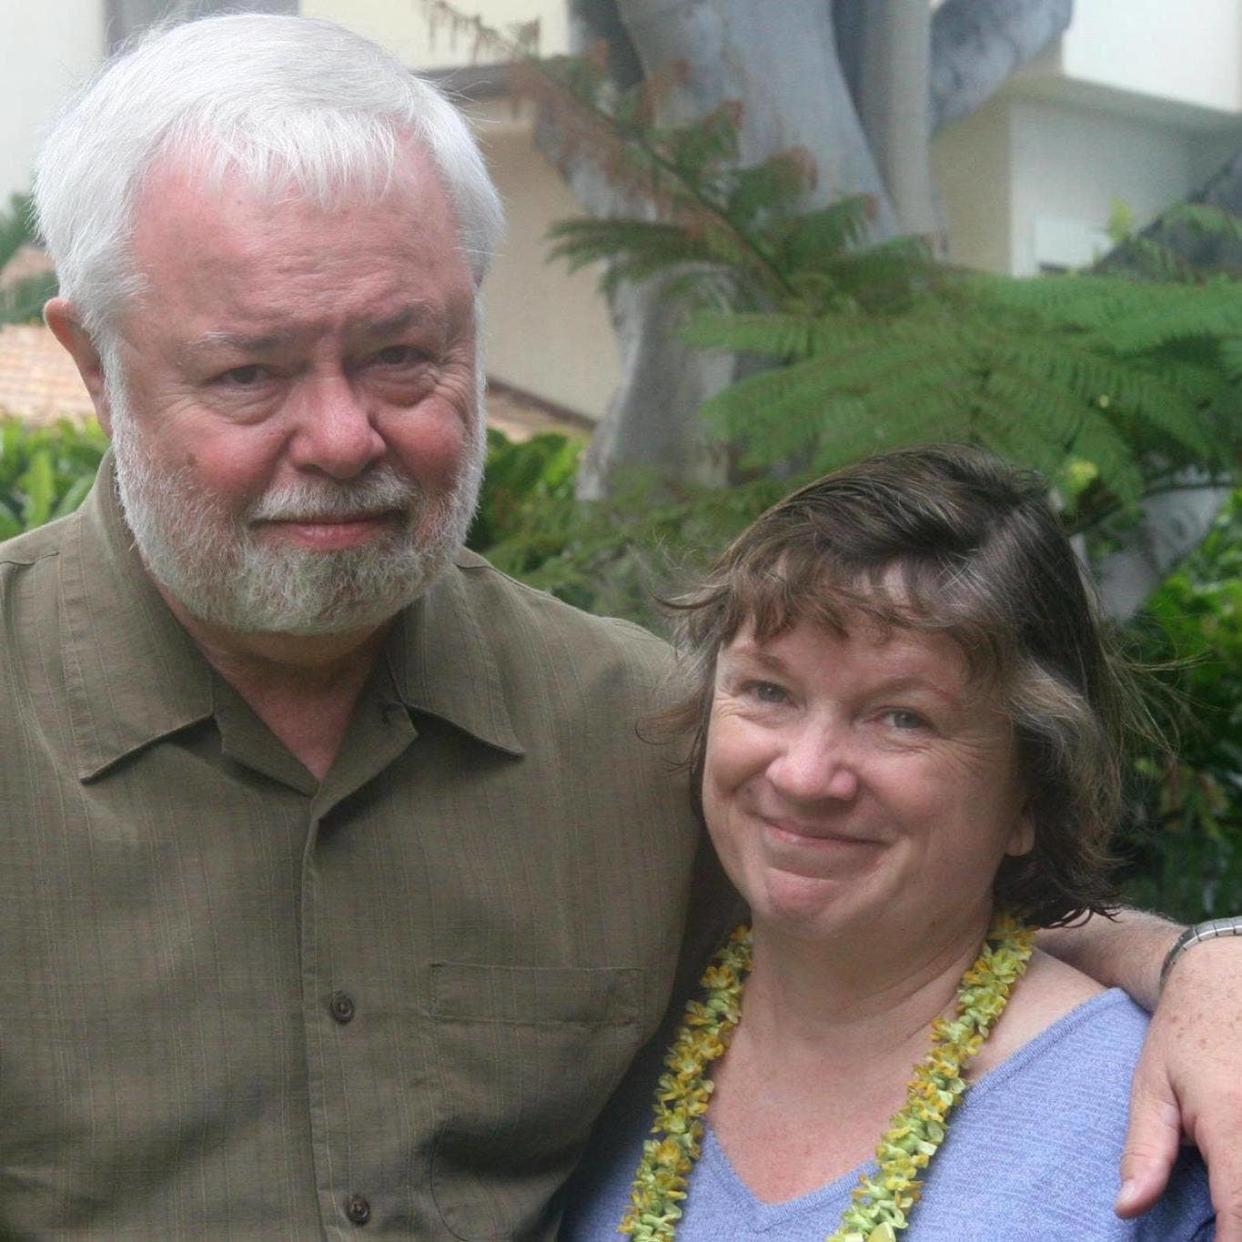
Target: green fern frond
[1099, 442]
[929, 413]
[1207, 219]
[773, 335]
[1076, 300]
[994, 426]
[767, 187]
[1102, 383]
[808, 241]
[1210, 310]
[1231, 358]
[1043, 407]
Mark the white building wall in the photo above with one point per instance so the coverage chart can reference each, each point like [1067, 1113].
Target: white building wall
[1069, 165]
[50, 47]
[403, 26]
[970, 163]
[1188, 51]
[548, 331]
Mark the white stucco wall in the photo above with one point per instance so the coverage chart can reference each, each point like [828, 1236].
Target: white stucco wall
[49, 48]
[1027, 182]
[970, 163]
[1068, 165]
[548, 332]
[1188, 52]
[403, 26]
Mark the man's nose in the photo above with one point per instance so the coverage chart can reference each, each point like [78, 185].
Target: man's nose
[335, 432]
[816, 764]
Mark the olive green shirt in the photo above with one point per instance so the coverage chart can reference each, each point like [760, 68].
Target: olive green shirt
[245, 1004]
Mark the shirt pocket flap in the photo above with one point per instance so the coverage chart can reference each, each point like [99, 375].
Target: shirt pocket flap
[526, 1058]
[535, 995]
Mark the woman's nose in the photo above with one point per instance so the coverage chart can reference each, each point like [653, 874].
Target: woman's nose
[814, 765]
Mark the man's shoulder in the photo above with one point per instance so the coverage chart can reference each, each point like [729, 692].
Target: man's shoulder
[29, 581]
[35, 545]
[510, 609]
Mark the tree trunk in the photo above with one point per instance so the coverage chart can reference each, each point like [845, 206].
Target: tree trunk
[781, 62]
[798, 88]
[894, 106]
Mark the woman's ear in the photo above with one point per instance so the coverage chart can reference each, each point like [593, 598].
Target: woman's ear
[1022, 835]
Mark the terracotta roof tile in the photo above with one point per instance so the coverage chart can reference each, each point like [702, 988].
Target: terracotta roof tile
[38, 381]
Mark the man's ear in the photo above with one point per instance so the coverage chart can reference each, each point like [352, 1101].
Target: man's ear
[61, 317]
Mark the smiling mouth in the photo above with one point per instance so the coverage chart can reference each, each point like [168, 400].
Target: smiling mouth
[816, 836]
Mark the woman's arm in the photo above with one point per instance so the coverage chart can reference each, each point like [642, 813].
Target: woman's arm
[1189, 1079]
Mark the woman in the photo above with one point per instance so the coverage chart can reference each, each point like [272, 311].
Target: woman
[905, 728]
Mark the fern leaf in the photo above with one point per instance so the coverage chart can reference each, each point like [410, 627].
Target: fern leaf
[1098, 441]
[772, 335]
[807, 241]
[1102, 383]
[1212, 310]
[994, 426]
[1207, 219]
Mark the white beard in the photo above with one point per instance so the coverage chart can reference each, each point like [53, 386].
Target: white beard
[209, 560]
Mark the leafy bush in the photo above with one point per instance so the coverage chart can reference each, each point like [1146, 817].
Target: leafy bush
[1187, 858]
[45, 472]
[23, 301]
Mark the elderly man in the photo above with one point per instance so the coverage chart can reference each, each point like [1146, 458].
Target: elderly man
[337, 889]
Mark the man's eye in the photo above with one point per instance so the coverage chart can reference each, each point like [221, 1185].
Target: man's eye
[243, 377]
[398, 356]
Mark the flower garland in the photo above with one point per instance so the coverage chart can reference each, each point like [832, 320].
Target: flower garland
[882, 1201]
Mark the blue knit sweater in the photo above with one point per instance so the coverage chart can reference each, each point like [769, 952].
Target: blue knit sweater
[1031, 1156]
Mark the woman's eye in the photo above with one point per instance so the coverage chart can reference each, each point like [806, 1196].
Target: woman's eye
[902, 718]
[767, 692]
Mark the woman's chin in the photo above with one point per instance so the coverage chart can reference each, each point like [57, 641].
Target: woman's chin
[809, 905]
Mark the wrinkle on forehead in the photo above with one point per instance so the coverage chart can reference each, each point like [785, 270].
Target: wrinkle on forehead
[273, 266]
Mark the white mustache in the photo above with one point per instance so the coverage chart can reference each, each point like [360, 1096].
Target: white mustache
[327, 501]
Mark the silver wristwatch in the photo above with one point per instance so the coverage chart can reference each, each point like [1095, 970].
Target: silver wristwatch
[1200, 932]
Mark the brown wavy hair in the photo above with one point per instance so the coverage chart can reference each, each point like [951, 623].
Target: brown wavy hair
[951, 539]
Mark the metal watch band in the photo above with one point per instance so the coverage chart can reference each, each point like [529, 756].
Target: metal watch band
[1200, 932]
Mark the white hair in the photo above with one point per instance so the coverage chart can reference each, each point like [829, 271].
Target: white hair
[288, 103]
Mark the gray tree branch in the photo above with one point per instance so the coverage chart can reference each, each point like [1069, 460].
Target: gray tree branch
[977, 44]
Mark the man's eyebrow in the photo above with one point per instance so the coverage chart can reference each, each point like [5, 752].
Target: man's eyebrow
[409, 316]
[240, 341]
[265, 342]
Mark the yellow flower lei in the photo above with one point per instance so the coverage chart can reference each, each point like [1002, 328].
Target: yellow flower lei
[882, 1200]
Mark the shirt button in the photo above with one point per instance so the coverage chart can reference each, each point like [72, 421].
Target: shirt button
[358, 1209]
[341, 1007]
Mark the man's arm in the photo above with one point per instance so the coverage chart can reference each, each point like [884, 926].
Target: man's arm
[1189, 1078]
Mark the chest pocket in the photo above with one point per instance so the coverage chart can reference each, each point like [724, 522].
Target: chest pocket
[527, 1058]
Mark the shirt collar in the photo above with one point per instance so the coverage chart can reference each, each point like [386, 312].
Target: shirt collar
[132, 673]
[442, 662]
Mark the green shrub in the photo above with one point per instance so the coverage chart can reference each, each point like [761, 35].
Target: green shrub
[1186, 859]
[45, 472]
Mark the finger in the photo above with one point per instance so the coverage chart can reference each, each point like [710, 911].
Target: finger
[1222, 1149]
[1152, 1142]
